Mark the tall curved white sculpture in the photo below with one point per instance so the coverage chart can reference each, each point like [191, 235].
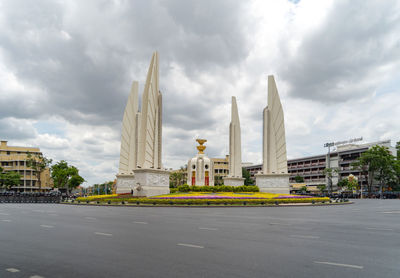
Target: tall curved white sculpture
[129, 133]
[140, 168]
[274, 176]
[235, 149]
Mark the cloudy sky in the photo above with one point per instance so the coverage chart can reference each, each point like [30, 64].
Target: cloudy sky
[66, 68]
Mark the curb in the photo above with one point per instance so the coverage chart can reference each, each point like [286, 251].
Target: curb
[211, 206]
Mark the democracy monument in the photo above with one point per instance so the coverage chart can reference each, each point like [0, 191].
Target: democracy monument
[140, 168]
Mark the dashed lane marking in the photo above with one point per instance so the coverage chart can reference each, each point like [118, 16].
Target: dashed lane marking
[12, 270]
[3, 213]
[305, 236]
[276, 223]
[190, 245]
[90, 218]
[395, 211]
[46, 226]
[6, 220]
[209, 229]
[36, 276]
[341, 265]
[139, 222]
[379, 229]
[103, 234]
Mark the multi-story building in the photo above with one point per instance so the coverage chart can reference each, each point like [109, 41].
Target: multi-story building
[311, 168]
[14, 158]
[221, 169]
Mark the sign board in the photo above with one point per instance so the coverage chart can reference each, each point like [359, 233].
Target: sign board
[326, 145]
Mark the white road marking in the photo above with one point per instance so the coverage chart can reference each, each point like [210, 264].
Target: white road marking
[90, 218]
[139, 222]
[396, 211]
[102, 234]
[276, 223]
[305, 236]
[3, 213]
[210, 229]
[12, 270]
[342, 265]
[379, 229]
[6, 220]
[190, 245]
[46, 226]
[53, 214]
[36, 276]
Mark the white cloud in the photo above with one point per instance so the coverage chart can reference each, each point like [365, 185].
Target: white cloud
[66, 69]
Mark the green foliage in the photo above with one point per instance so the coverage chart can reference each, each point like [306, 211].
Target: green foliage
[343, 183]
[218, 188]
[65, 176]
[380, 164]
[184, 188]
[102, 189]
[247, 177]
[303, 189]
[9, 179]
[204, 202]
[321, 187]
[299, 179]
[38, 163]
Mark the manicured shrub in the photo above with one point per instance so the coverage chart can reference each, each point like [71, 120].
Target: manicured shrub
[184, 188]
[217, 188]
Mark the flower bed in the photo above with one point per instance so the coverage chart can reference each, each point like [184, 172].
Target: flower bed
[229, 198]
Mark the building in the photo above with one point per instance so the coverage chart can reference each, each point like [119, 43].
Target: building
[311, 168]
[13, 158]
[221, 169]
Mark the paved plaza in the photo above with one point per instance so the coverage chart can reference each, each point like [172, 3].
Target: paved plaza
[51, 240]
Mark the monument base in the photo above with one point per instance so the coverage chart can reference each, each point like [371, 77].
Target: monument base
[232, 181]
[151, 182]
[125, 183]
[273, 183]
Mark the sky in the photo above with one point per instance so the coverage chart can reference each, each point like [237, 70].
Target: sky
[66, 68]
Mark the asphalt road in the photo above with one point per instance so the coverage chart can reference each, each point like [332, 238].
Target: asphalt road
[51, 240]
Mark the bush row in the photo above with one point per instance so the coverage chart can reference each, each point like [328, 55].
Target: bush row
[217, 188]
[149, 201]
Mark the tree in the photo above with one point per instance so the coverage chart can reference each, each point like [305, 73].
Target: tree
[343, 183]
[380, 164]
[398, 150]
[65, 176]
[9, 179]
[303, 189]
[329, 174]
[247, 177]
[38, 163]
[299, 179]
[321, 187]
[348, 183]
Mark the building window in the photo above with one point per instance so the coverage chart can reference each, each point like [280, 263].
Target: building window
[8, 152]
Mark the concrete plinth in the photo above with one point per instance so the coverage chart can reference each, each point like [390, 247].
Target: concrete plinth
[233, 181]
[151, 182]
[273, 183]
[125, 183]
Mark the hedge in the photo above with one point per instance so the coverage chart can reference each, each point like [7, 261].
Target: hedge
[217, 188]
[212, 201]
